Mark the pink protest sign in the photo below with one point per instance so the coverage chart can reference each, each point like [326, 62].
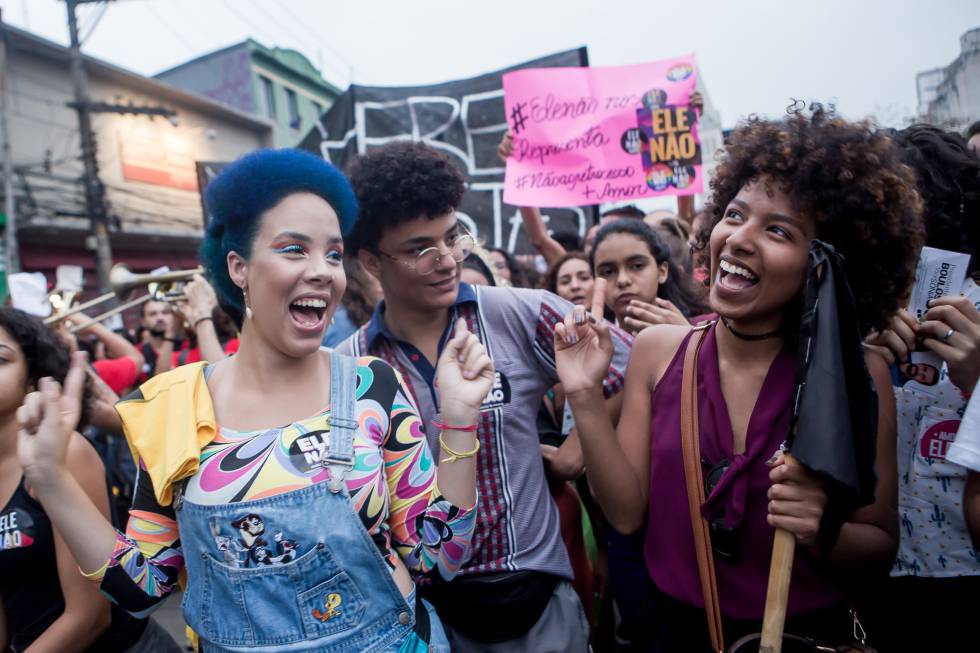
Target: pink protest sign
[591, 135]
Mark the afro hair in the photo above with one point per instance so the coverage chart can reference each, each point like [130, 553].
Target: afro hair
[242, 192]
[851, 180]
[399, 182]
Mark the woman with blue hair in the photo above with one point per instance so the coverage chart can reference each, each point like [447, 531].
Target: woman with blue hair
[294, 486]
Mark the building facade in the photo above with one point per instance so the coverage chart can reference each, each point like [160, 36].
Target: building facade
[950, 96]
[147, 165]
[277, 84]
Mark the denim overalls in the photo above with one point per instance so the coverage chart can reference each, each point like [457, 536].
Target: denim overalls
[331, 591]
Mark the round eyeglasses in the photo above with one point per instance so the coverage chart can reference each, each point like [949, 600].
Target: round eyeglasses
[426, 261]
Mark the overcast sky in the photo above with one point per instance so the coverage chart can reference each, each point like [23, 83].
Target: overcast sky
[753, 54]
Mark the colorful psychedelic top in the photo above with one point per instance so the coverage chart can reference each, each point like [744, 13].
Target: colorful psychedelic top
[392, 488]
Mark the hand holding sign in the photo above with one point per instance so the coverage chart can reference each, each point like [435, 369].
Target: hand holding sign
[952, 330]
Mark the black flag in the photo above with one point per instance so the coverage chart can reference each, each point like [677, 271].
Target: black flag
[464, 119]
[835, 416]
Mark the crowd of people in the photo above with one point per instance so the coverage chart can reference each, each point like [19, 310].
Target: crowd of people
[362, 429]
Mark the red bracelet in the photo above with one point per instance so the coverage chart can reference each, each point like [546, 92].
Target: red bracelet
[447, 427]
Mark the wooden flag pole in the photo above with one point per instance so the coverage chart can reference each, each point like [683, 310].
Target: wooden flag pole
[777, 594]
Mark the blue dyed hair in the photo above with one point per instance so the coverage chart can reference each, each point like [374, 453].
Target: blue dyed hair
[242, 192]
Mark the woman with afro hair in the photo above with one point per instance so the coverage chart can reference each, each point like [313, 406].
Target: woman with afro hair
[292, 487]
[780, 185]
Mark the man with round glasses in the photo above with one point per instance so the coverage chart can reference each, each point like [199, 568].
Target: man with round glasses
[425, 262]
[514, 594]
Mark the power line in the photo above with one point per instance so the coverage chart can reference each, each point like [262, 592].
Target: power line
[40, 121]
[36, 98]
[317, 37]
[247, 21]
[170, 28]
[93, 22]
[40, 81]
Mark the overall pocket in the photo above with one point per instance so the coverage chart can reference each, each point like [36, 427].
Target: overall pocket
[274, 605]
[333, 606]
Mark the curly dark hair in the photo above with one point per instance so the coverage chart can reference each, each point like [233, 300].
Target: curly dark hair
[549, 280]
[679, 288]
[399, 182]
[948, 175]
[45, 354]
[851, 180]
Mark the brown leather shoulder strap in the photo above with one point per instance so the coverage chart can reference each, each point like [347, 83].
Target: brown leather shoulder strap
[691, 450]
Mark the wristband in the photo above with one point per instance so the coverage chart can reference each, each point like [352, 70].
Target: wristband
[95, 576]
[447, 427]
[456, 455]
[198, 321]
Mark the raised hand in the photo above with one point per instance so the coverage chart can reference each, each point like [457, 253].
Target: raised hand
[951, 329]
[583, 347]
[102, 405]
[201, 300]
[896, 342]
[46, 421]
[506, 147]
[640, 315]
[464, 376]
[696, 100]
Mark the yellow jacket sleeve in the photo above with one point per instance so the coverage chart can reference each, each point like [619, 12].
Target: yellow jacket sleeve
[167, 422]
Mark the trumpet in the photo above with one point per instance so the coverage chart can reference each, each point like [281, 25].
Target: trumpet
[163, 286]
[61, 300]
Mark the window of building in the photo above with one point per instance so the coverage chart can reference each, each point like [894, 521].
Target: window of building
[317, 110]
[270, 96]
[293, 105]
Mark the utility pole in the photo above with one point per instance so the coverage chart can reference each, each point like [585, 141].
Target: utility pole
[11, 246]
[95, 202]
[95, 205]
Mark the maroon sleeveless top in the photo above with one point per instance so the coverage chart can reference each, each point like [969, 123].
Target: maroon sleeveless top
[740, 493]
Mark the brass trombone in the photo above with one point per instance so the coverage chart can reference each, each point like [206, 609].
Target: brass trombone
[163, 286]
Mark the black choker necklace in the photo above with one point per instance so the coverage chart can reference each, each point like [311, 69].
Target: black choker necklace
[749, 337]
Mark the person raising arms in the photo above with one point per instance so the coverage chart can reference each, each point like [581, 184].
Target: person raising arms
[293, 485]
